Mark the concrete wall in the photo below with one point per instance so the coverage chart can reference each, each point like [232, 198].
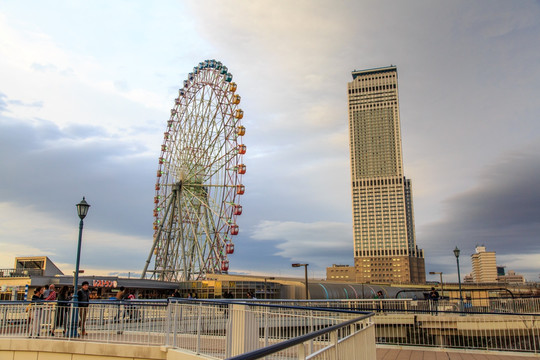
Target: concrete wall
[31, 349]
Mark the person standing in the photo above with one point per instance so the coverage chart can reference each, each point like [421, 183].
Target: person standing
[35, 312]
[48, 310]
[380, 297]
[120, 295]
[46, 291]
[84, 298]
[434, 301]
[51, 294]
[62, 308]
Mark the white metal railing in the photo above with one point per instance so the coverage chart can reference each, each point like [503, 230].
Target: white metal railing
[440, 324]
[486, 331]
[224, 329]
[212, 328]
[507, 305]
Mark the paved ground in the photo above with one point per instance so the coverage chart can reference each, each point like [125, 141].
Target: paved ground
[384, 353]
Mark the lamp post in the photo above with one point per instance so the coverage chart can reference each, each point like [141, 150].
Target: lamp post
[456, 253]
[305, 269]
[265, 289]
[82, 210]
[440, 274]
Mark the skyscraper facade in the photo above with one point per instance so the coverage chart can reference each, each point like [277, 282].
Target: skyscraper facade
[484, 265]
[385, 247]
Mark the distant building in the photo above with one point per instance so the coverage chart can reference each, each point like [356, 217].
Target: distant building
[484, 265]
[468, 279]
[30, 272]
[340, 273]
[383, 223]
[511, 278]
[485, 269]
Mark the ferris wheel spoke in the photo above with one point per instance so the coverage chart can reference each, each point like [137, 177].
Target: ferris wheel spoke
[212, 209]
[205, 218]
[197, 251]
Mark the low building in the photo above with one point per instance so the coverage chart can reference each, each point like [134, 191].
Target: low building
[340, 273]
[511, 278]
[18, 283]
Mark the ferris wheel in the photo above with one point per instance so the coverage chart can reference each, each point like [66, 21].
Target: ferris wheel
[199, 178]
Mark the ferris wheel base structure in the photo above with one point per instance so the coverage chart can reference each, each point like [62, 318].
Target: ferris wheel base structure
[199, 179]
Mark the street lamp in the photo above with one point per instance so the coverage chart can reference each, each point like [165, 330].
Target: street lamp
[305, 269]
[82, 210]
[440, 274]
[456, 253]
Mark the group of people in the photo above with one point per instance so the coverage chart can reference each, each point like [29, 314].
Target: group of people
[39, 315]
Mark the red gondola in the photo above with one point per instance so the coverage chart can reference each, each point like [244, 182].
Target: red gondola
[224, 265]
[242, 149]
[237, 210]
[234, 229]
[229, 248]
[240, 189]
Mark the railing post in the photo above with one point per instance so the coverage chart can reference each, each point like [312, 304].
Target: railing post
[311, 330]
[74, 319]
[334, 341]
[199, 329]
[168, 323]
[266, 327]
[301, 351]
[175, 322]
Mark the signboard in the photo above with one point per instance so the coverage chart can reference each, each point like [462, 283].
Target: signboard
[104, 283]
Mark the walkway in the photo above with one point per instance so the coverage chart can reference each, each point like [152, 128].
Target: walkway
[387, 353]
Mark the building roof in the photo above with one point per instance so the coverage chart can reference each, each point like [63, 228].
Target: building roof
[391, 68]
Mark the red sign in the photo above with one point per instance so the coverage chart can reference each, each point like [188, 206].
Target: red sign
[104, 283]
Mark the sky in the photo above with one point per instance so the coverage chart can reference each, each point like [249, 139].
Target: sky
[86, 90]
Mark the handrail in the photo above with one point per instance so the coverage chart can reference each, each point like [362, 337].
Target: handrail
[256, 354]
[249, 303]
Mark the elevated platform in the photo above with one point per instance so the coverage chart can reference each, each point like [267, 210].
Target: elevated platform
[400, 353]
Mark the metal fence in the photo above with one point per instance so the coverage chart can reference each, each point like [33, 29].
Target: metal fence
[212, 328]
[500, 306]
[224, 329]
[439, 324]
[498, 332]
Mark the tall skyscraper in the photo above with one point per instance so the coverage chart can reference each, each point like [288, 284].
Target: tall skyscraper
[383, 223]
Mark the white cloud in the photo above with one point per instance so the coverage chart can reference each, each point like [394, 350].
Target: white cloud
[27, 232]
[307, 241]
